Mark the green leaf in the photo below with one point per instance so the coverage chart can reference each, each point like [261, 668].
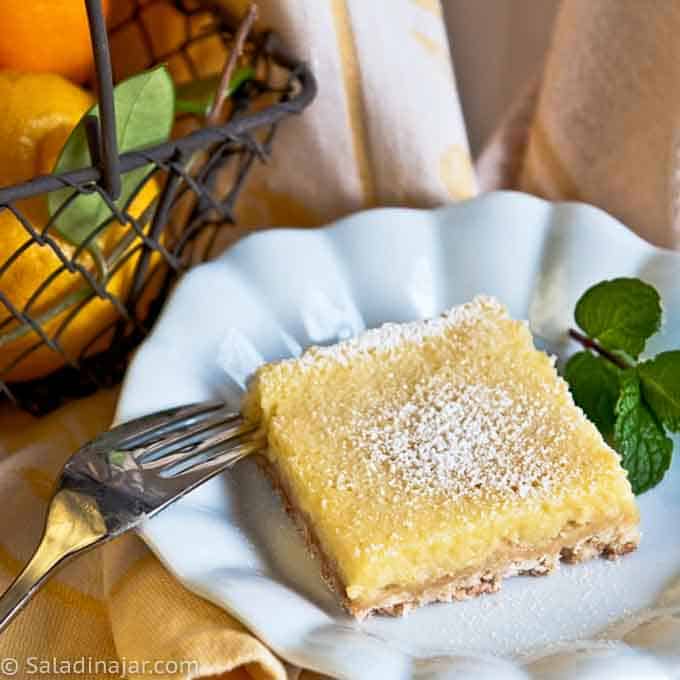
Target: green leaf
[661, 387]
[197, 96]
[594, 383]
[621, 314]
[144, 117]
[640, 439]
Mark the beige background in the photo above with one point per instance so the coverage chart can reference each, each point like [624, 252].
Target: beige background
[497, 46]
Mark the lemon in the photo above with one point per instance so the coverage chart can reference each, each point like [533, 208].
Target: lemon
[37, 113]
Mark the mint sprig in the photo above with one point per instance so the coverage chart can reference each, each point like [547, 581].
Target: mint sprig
[632, 404]
[595, 384]
[661, 386]
[639, 436]
[621, 315]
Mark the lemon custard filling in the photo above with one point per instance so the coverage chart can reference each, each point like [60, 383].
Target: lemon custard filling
[425, 461]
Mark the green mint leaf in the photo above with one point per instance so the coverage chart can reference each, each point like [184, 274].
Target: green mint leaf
[621, 314]
[144, 117]
[197, 96]
[595, 386]
[639, 437]
[660, 379]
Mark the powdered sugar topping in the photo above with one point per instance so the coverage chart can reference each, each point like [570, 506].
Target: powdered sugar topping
[465, 440]
[461, 406]
[391, 335]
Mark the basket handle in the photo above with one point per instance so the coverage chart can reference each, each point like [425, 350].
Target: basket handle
[101, 133]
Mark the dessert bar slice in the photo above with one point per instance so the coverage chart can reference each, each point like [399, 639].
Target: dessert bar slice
[426, 461]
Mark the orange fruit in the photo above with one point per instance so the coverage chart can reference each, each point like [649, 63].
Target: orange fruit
[37, 113]
[47, 36]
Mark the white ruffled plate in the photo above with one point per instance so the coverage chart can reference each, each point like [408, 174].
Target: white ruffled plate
[276, 292]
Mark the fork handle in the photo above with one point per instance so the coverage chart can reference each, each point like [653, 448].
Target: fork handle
[73, 525]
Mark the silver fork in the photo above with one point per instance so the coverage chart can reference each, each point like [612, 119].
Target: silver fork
[125, 476]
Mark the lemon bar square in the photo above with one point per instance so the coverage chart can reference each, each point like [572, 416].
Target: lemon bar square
[426, 461]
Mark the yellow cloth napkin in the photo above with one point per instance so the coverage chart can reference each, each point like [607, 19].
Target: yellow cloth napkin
[605, 127]
[386, 128]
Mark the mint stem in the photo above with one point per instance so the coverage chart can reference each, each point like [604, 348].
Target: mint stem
[589, 343]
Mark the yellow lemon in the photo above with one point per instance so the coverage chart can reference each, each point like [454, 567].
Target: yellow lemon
[37, 113]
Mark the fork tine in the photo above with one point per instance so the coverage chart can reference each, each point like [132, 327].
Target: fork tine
[222, 453]
[219, 435]
[225, 428]
[144, 433]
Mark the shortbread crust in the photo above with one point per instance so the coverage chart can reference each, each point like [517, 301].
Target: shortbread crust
[578, 545]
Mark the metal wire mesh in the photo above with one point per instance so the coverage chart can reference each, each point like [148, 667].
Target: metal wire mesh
[71, 330]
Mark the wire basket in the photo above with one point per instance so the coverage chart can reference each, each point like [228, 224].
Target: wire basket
[73, 330]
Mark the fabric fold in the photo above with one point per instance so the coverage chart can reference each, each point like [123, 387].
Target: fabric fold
[605, 129]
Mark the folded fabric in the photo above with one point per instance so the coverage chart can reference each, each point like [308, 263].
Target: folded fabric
[386, 127]
[605, 126]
